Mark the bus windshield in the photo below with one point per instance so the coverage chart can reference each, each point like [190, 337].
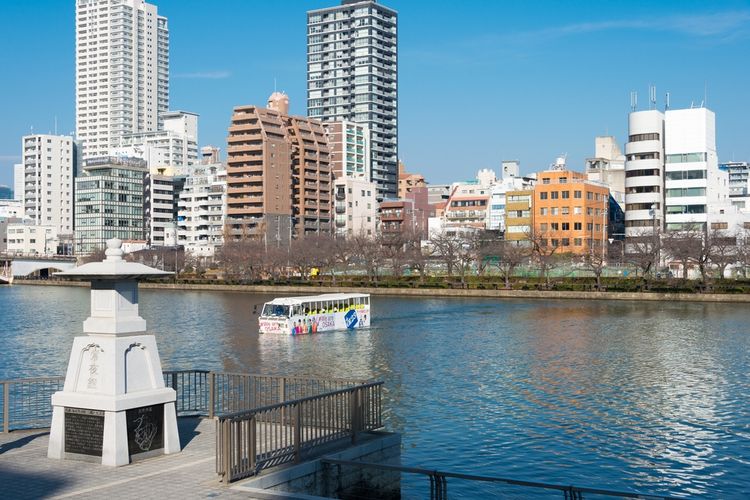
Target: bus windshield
[275, 310]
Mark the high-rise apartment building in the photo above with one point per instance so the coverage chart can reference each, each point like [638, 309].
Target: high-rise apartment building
[352, 74]
[279, 178]
[109, 202]
[122, 71]
[49, 169]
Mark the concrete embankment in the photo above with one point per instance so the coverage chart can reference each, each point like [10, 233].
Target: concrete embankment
[430, 292]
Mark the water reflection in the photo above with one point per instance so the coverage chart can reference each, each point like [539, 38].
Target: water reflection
[625, 395]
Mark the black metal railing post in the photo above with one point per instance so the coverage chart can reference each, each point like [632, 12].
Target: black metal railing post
[6, 407]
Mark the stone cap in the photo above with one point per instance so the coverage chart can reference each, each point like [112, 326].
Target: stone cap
[113, 267]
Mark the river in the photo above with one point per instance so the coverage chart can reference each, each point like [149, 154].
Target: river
[639, 396]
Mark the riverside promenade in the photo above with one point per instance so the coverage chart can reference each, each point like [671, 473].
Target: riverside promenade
[26, 472]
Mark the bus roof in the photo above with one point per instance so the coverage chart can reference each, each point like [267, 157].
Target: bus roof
[316, 298]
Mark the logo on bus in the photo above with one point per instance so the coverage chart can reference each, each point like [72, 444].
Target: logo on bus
[351, 319]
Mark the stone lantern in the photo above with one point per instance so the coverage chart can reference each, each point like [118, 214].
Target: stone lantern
[114, 406]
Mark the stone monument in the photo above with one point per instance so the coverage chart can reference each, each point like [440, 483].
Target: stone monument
[114, 404]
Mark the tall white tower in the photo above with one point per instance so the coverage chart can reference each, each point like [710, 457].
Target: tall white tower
[644, 172]
[122, 71]
[352, 74]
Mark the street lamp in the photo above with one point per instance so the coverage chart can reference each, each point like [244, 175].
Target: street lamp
[604, 229]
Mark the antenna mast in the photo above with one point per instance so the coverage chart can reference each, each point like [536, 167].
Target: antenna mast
[652, 96]
[633, 100]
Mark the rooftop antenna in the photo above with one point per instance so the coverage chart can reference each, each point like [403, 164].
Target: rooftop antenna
[633, 100]
[666, 105]
[652, 96]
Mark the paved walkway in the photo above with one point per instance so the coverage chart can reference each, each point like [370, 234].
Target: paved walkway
[26, 472]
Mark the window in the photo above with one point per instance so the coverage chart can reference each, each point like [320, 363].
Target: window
[555, 226]
[644, 137]
[554, 211]
[686, 158]
[565, 210]
[565, 195]
[719, 225]
[543, 195]
[545, 180]
[543, 226]
[542, 211]
[590, 226]
[577, 242]
[566, 226]
[577, 194]
[563, 180]
[566, 242]
[554, 195]
[577, 210]
[589, 195]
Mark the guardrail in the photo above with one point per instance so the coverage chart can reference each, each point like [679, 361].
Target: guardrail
[26, 402]
[439, 482]
[250, 441]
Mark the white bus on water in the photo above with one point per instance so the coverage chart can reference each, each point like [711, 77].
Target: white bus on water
[315, 313]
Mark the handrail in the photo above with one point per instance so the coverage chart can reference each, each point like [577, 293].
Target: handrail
[441, 476]
[244, 413]
[249, 441]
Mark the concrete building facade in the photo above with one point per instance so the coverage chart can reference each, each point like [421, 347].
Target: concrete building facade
[122, 71]
[693, 182]
[352, 74]
[356, 206]
[49, 166]
[24, 238]
[109, 202]
[608, 167]
[519, 215]
[202, 210]
[175, 145]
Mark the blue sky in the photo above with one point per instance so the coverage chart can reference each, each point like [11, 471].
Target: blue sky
[480, 81]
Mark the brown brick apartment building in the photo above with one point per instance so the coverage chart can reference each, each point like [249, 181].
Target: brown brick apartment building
[279, 177]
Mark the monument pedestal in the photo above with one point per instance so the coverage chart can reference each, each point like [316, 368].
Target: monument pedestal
[114, 406]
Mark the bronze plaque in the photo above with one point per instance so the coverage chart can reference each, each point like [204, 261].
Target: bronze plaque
[145, 428]
[84, 431]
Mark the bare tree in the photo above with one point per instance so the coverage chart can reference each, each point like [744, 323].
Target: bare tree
[721, 250]
[595, 261]
[368, 252]
[685, 247]
[507, 256]
[642, 250]
[544, 253]
[415, 256]
[446, 247]
[301, 259]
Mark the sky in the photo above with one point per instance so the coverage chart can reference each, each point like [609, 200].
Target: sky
[480, 81]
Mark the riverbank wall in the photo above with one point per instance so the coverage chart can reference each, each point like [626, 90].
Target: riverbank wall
[429, 292]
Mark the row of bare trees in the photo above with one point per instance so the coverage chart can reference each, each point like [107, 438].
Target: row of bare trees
[458, 256]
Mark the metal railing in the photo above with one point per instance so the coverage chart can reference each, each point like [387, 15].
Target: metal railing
[26, 402]
[250, 441]
[439, 482]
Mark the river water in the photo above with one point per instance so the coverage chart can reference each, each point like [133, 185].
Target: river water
[639, 396]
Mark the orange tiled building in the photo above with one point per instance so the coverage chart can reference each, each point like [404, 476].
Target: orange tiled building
[570, 211]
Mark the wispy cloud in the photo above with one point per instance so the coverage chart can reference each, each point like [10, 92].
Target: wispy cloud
[705, 25]
[205, 75]
[716, 28]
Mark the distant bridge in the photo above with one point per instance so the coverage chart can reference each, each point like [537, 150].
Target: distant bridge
[21, 265]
